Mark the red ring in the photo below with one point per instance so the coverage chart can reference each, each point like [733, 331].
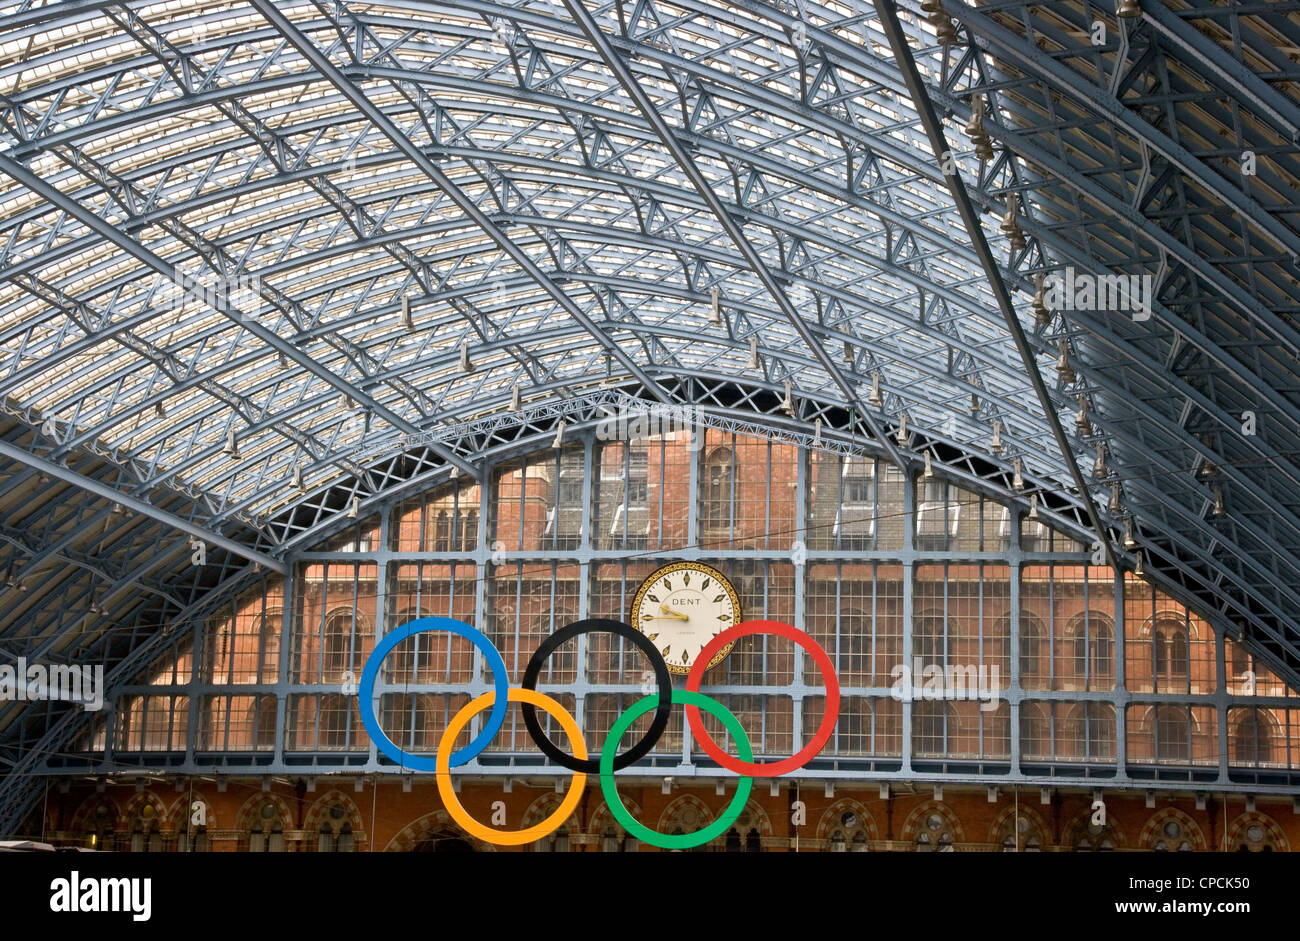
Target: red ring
[809, 751]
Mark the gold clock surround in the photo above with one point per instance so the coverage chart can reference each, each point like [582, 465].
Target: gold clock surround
[700, 568]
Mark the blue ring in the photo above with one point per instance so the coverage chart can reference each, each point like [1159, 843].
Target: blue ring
[366, 692]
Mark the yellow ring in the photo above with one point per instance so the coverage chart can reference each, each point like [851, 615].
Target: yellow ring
[448, 793]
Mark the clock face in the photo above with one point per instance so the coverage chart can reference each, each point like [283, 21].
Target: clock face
[683, 606]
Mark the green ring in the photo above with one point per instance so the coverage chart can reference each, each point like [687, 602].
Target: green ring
[609, 787]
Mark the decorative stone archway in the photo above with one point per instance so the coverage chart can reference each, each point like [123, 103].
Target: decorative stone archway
[435, 832]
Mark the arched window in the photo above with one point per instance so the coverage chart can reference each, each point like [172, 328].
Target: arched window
[338, 655]
[617, 840]
[855, 523]
[556, 842]
[1092, 838]
[1173, 734]
[1031, 647]
[1171, 837]
[192, 839]
[442, 533]
[1103, 650]
[335, 713]
[1036, 732]
[935, 834]
[272, 623]
[334, 835]
[1092, 639]
[1254, 838]
[1252, 740]
[928, 640]
[144, 831]
[1171, 667]
[855, 648]
[719, 489]
[1089, 733]
[266, 832]
[1020, 833]
[929, 723]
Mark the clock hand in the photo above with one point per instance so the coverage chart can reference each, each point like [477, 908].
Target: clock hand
[671, 617]
[667, 610]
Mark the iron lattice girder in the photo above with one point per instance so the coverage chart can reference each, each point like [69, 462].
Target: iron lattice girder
[22, 456]
[160, 266]
[939, 146]
[724, 217]
[1224, 191]
[322, 64]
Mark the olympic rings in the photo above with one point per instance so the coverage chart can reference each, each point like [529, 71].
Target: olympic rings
[452, 804]
[662, 677]
[609, 787]
[610, 761]
[366, 692]
[809, 751]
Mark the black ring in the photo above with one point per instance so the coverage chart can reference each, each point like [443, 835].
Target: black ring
[662, 677]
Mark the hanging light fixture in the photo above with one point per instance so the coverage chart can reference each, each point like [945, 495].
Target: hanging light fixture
[465, 365]
[1129, 541]
[995, 443]
[159, 411]
[875, 398]
[903, 438]
[928, 473]
[753, 352]
[284, 360]
[817, 433]
[354, 509]
[455, 471]
[1009, 223]
[232, 446]
[1138, 569]
[1208, 469]
[1042, 316]
[408, 322]
[1099, 465]
[1081, 423]
[515, 405]
[975, 126]
[787, 403]
[974, 404]
[559, 434]
[1017, 476]
[297, 477]
[1063, 367]
[1033, 508]
[1219, 509]
[715, 305]
[848, 352]
[1128, 9]
[1115, 507]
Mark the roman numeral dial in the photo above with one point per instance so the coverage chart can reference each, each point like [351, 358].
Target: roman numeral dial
[681, 607]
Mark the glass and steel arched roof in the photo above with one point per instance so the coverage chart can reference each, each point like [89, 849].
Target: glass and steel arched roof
[262, 264]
